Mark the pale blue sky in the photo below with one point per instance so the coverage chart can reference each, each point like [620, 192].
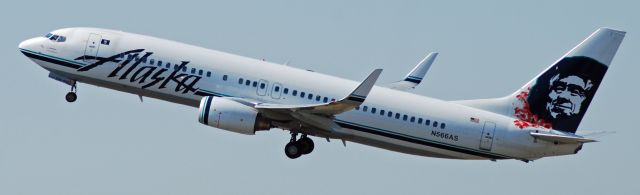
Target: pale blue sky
[110, 143]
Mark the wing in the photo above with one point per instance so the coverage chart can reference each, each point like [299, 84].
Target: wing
[353, 100]
[416, 75]
[320, 116]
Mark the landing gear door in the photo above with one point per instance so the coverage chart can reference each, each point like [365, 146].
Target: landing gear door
[486, 139]
[92, 47]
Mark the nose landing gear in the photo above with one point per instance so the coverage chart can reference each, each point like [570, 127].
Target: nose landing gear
[71, 96]
[296, 148]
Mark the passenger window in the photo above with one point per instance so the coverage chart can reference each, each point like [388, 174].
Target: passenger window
[168, 65]
[285, 91]
[200, 72]
[159, 62]
[420, 121]
[302, 94]
[240, 81]
[413, 119]
[325, 99]
[175, 67]
[381, 112]
[152, 61]
[435, 123]
[184, 69]
[193, 70]
[277, 89]
[404, 118]
[262, 85]
[389, 114]
[318, 98]
[294, 93]
[397, 115]
[208, 74]
[310, 96]
[255, 84]
[247, 82]
[426, 122]
[442, 125]
[224, 77]
[365, 108]
[373, 110]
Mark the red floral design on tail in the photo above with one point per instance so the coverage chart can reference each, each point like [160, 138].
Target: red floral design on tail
[525, 117]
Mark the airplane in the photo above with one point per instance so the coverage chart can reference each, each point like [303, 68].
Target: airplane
[246, 95]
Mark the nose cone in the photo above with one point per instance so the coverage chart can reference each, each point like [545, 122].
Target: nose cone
[29, 44]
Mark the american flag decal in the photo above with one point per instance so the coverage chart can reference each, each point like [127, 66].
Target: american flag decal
[474, 120]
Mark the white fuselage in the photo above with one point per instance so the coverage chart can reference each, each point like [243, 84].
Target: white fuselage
[453, 130]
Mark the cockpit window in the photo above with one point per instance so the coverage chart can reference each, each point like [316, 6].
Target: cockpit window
[56, 38]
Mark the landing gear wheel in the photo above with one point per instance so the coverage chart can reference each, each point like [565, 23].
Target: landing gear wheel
[71, 97]
[292, 150]
[306, 144]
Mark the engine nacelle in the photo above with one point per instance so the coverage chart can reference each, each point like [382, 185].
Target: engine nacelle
[231, 115]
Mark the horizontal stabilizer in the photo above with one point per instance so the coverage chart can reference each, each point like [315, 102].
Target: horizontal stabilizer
[594, 134]
[568, 139]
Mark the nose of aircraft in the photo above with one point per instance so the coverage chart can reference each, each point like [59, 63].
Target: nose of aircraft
[29, 44]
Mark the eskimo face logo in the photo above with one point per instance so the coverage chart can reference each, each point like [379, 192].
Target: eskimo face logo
[129, 68]
[559, 97]
[566, 95]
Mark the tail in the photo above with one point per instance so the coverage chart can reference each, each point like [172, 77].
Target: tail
[559, 97]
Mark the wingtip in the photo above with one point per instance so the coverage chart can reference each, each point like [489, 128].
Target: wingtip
[361, 92]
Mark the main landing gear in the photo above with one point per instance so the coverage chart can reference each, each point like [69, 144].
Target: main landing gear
[296, 148]
[71, 96]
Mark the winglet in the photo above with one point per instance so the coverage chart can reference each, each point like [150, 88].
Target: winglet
[361, 92]
[416, 75]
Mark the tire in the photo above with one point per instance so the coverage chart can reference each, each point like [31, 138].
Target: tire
[71, 97]
[292, 150]
[306, 145]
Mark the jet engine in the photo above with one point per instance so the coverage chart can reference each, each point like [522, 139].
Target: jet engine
[231, 115]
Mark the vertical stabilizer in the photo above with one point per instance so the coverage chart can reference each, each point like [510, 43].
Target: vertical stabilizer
[559, 96]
